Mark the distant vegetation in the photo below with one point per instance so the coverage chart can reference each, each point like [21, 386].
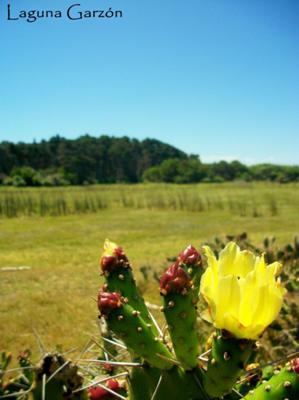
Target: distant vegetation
[235, 198]
[89, 160]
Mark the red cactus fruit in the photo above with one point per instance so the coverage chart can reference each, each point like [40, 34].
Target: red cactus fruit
[295, 365]
[174, 280]
[189, 256]
[108, 301]
[99, 393]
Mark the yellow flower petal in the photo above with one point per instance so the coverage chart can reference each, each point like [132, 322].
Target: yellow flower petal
[212, 260]
[228, 297]
[245, 262]
[227, 256]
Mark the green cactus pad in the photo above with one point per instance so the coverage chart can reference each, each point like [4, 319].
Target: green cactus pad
[227, 361]
[282, 386]
[175, 384]
[128, 325]
[119, 278]
[180, 314]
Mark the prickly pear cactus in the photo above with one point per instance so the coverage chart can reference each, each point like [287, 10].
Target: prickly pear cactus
[244, 296]
[137, 360]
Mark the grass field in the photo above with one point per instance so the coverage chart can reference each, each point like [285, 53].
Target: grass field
[56, 296]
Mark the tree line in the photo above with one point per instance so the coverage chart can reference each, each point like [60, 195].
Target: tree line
[104, 159]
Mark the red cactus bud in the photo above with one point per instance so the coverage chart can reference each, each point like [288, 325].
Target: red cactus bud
[174, 280]
[189, 256]
[99, 393]
[112, 256]
[119, 253]
[295, 365]
[108, 368]
[108, 301]
[113, 384]
[108, 262]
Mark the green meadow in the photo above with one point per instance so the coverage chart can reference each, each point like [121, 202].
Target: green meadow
[58, 234]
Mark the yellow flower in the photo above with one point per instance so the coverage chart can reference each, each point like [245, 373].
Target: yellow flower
[244, 294]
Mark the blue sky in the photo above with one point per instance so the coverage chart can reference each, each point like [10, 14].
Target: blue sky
[219, 78]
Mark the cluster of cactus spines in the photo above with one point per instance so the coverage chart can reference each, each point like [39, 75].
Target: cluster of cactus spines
[55, 378]
[128, 324]
[228, 358]
[108, 348]
[180, 313]
[60, 378]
